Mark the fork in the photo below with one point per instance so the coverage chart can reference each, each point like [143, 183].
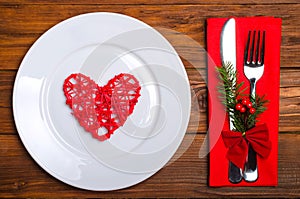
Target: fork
[253, 70]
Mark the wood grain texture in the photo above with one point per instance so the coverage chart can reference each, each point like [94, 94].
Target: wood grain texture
[182, 22]
[19, 29]
[187, 176]
[148, 2]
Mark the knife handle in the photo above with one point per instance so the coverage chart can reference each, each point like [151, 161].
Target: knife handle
[234, 173]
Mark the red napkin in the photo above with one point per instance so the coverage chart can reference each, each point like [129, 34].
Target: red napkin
[268, 85]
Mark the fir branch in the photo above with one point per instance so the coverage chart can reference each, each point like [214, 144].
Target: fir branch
[232, 93]
[229, 88]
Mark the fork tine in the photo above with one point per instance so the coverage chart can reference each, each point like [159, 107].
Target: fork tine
[262, 54]
[257, 48]
[252, 47]
[246, 48]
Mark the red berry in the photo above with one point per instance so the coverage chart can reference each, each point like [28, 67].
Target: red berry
[252, 110]
[238, 106]
[243, 109]
[245, 101]
[249, 105]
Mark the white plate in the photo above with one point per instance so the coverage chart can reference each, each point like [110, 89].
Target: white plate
[101, 45]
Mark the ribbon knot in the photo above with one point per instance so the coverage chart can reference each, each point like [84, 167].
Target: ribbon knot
[237, 144]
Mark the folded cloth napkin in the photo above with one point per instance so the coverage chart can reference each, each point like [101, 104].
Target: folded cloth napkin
[268, 85]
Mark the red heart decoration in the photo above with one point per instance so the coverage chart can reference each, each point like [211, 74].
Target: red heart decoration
[101, 106]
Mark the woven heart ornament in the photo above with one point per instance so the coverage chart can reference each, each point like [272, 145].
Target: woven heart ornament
[105, 106]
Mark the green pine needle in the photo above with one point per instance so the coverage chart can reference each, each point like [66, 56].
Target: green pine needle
[231, 92]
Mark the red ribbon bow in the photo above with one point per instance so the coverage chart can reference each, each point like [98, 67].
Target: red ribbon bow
[237, 144]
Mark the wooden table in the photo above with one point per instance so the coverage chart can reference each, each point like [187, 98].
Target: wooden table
[23, 21]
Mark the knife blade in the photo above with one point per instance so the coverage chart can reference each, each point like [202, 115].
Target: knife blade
[228, 49]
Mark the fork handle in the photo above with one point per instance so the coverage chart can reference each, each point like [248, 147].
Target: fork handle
[250, 172]
[252, 89]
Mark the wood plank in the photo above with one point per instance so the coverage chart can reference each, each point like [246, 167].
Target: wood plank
[22, 24]
[148, 2]
[7, 125]
[38, 18]
[6, 86]
[289, 117]
[22, 177]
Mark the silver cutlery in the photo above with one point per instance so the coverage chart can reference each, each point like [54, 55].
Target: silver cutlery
[228, 55]
[253, 69]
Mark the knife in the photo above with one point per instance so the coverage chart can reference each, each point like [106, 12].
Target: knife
[228, 49]
[228, 54]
